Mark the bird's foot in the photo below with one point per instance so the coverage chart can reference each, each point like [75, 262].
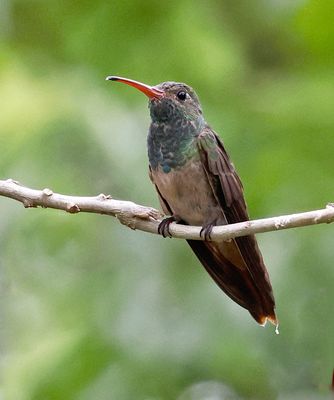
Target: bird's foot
[163, 228]
[206, 230]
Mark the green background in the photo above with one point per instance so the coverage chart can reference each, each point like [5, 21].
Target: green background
[93, 310]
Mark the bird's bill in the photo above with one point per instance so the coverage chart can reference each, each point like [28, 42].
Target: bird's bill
[150, 91]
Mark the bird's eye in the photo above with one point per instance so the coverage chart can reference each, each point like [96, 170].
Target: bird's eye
[182, 95]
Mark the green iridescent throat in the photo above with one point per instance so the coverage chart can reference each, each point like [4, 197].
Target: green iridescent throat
[171, 144]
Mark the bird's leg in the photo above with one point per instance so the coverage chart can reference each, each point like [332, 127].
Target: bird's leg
[206, 230]
[163, 228]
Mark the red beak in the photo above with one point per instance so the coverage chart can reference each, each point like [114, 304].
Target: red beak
[150, 91]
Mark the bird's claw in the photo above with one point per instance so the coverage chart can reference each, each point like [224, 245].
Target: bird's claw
[163, 228]
[206, 231]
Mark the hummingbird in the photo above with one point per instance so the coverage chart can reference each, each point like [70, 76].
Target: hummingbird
[197, 184]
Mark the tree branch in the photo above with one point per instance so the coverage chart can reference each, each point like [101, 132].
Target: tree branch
[147, 219]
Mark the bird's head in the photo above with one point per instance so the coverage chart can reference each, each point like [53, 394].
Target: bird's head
[168, 101]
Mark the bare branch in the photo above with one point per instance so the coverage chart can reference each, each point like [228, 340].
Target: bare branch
[147, 219]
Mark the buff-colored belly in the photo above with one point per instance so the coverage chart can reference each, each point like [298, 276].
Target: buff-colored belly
[188, 194]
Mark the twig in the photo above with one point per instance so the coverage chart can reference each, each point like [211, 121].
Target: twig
[147, 219]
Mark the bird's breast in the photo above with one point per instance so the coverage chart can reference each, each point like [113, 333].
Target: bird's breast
[188, 193]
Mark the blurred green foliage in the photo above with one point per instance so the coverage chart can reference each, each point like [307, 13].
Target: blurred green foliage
[92, 310]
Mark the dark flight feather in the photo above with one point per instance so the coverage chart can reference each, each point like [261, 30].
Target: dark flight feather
[236, 266]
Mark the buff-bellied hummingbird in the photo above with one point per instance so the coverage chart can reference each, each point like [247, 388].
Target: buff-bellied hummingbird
[197, 184]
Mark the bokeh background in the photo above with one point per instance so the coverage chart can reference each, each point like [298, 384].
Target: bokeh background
[93, 310]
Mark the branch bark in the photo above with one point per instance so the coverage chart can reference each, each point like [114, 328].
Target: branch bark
[147, 219]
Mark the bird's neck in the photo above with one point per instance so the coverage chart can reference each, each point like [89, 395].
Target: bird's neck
[171, 144]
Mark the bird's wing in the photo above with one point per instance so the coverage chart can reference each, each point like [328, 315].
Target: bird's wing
[240, 260]
[225, 182]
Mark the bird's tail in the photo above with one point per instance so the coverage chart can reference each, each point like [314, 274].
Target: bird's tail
[238, 269]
